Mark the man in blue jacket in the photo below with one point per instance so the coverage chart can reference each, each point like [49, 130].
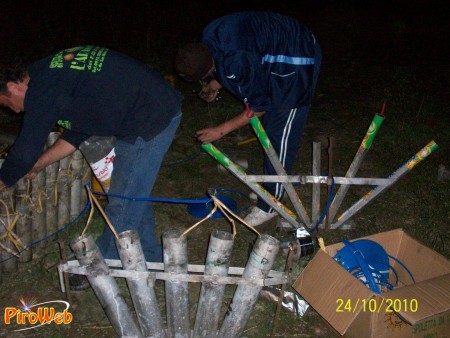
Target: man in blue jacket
[88, 91]
[271, 63]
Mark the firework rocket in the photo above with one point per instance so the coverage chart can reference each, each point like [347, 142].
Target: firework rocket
[279, 169]
[395, 176]
[357, 160]
[240, 173]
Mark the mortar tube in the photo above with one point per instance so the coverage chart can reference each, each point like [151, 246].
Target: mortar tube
[177, 293]
[395, 176]
[356, 163]
[244, 299]
[64, 193]
[211, 295]
[315, 213]
[77, 185]
[141, 290]
[38, 222]
[279, 169]
[255, 187]
[23, 224]
[51, 174]
[9, 262]
[105, 287]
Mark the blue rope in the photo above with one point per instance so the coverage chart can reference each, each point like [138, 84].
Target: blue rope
[330, 199]
[404, 267]
[154, 199]
[195, 211]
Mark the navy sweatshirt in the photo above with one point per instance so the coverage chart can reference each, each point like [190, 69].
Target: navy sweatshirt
[88, 91]
[264, 59]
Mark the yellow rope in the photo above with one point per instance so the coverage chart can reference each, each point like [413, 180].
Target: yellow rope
[85, 175]
[321, 243]
[39, 200]
[7, 212]
[200, 222]
[55, 189]
[9, 226]
[91, 213]
[216, 200]
[36, 203]
[99, 207]
[220, 205]
[8, 250]
[69, 171]
[227, 212]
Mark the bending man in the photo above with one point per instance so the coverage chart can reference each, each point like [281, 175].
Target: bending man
[271, 63]
[90, 91]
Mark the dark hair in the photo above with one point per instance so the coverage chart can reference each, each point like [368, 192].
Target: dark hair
[193, 61]
[13, 71]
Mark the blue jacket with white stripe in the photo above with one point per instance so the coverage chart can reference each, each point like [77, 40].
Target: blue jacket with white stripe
[264, 59]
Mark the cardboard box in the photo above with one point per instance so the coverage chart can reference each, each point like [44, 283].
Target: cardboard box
[409, 310]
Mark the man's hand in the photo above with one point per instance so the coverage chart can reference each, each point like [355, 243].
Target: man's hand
[34, 171]
[56, 152]
[212, 134]
[209, 135]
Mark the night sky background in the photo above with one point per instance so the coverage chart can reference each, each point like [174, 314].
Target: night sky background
[414, 33]
[373, 51]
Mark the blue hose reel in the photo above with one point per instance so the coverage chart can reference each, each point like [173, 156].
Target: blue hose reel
[368, 261]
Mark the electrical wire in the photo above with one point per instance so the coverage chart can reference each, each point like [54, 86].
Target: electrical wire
[189, 158]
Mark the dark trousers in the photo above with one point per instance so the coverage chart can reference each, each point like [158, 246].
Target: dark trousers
[285, 129]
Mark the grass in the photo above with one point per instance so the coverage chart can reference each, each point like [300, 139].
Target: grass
[418, 202]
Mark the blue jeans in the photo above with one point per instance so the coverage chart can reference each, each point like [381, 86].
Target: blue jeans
[136, 167]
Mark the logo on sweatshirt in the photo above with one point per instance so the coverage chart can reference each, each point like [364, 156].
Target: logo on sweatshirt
[83, 58]
[65, 124]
